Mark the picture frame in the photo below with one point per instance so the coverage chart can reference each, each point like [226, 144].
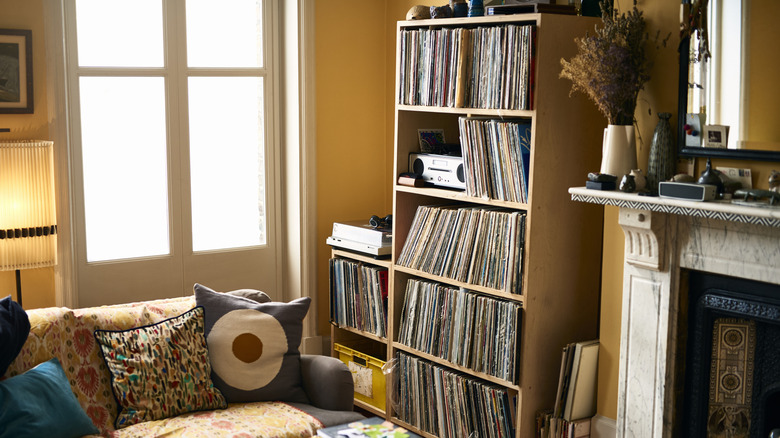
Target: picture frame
[429, 139]
[716, 136]
[16, 71]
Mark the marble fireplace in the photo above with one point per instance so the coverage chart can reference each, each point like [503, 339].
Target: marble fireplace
[701, 316]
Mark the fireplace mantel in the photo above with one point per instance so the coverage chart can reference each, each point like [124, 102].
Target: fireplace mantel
[664, 237]
[725, 210]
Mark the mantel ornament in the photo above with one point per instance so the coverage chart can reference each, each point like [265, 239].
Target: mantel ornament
[611, 67]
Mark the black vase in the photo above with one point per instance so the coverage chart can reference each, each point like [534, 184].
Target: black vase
[662, 161]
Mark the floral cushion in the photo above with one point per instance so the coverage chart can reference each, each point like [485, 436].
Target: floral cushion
[279, 420]
[161, 370]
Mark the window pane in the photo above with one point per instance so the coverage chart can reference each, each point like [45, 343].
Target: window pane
[227, 162]
[230, 35]
[125, 167]
[119, 33]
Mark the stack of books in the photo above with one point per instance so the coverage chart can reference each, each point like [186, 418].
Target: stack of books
[575, 402]
[360, 236]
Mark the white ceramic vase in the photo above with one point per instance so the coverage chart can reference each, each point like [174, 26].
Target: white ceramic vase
[618, 154]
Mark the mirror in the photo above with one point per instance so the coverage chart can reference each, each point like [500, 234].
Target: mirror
[736, 87]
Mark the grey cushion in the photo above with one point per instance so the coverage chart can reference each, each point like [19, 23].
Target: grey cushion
[253, 347]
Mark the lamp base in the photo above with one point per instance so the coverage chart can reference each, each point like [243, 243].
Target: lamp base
[19, 287]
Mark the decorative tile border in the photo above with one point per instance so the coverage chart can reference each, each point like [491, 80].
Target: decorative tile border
[766, 220]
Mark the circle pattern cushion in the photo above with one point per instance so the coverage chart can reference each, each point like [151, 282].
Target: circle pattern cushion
[253, 347]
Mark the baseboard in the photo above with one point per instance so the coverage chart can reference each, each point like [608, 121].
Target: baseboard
[602, 427]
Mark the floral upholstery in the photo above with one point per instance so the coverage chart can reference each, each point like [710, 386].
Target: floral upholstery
[67, 334]
[240, 420]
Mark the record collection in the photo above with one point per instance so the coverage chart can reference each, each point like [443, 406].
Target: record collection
[358, 296]
[483, 67]
[467, 329]
[496, 158]
[477, 245]
[449, 404]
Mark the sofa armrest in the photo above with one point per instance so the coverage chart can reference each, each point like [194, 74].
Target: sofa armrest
[327, 382]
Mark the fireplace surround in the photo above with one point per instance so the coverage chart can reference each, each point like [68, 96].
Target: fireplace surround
[666, 243]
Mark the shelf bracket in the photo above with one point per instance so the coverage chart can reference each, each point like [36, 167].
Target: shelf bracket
[645, 232]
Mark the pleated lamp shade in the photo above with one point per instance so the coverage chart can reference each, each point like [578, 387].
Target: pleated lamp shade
[28, 222]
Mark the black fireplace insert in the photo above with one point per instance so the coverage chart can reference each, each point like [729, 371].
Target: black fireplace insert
[732, 363]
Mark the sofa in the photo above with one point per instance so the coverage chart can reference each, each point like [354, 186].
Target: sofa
[76, 338]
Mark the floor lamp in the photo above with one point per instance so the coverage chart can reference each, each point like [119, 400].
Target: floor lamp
[28, 221]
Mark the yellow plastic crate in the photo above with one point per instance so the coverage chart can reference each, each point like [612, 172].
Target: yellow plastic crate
[367, 375]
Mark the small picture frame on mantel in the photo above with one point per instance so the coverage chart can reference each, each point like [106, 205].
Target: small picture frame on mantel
[716, 136]
[16, 71]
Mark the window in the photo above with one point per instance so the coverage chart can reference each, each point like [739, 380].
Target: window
[172, 139]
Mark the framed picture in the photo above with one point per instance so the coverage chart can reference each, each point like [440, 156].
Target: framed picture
[716, 136]
[429, 139]
[16, 78]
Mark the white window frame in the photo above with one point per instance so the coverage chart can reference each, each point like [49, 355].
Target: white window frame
[298, 217]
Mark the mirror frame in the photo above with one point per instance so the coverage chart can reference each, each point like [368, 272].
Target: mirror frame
[682, 108]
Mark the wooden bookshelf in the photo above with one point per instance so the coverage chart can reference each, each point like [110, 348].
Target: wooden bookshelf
[358, 340]
[562, 245]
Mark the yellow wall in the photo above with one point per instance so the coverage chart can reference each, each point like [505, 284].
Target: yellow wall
[355, 60]
[353, 181]
[37, 284]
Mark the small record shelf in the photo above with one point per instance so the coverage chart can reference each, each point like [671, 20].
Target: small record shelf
[359, 340]
[341, 332]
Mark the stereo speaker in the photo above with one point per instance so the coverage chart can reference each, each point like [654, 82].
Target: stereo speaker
[687, 191]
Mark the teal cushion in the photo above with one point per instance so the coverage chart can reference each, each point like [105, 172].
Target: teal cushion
[40, 403]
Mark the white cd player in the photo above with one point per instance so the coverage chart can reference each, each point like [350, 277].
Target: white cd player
[439, 170]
